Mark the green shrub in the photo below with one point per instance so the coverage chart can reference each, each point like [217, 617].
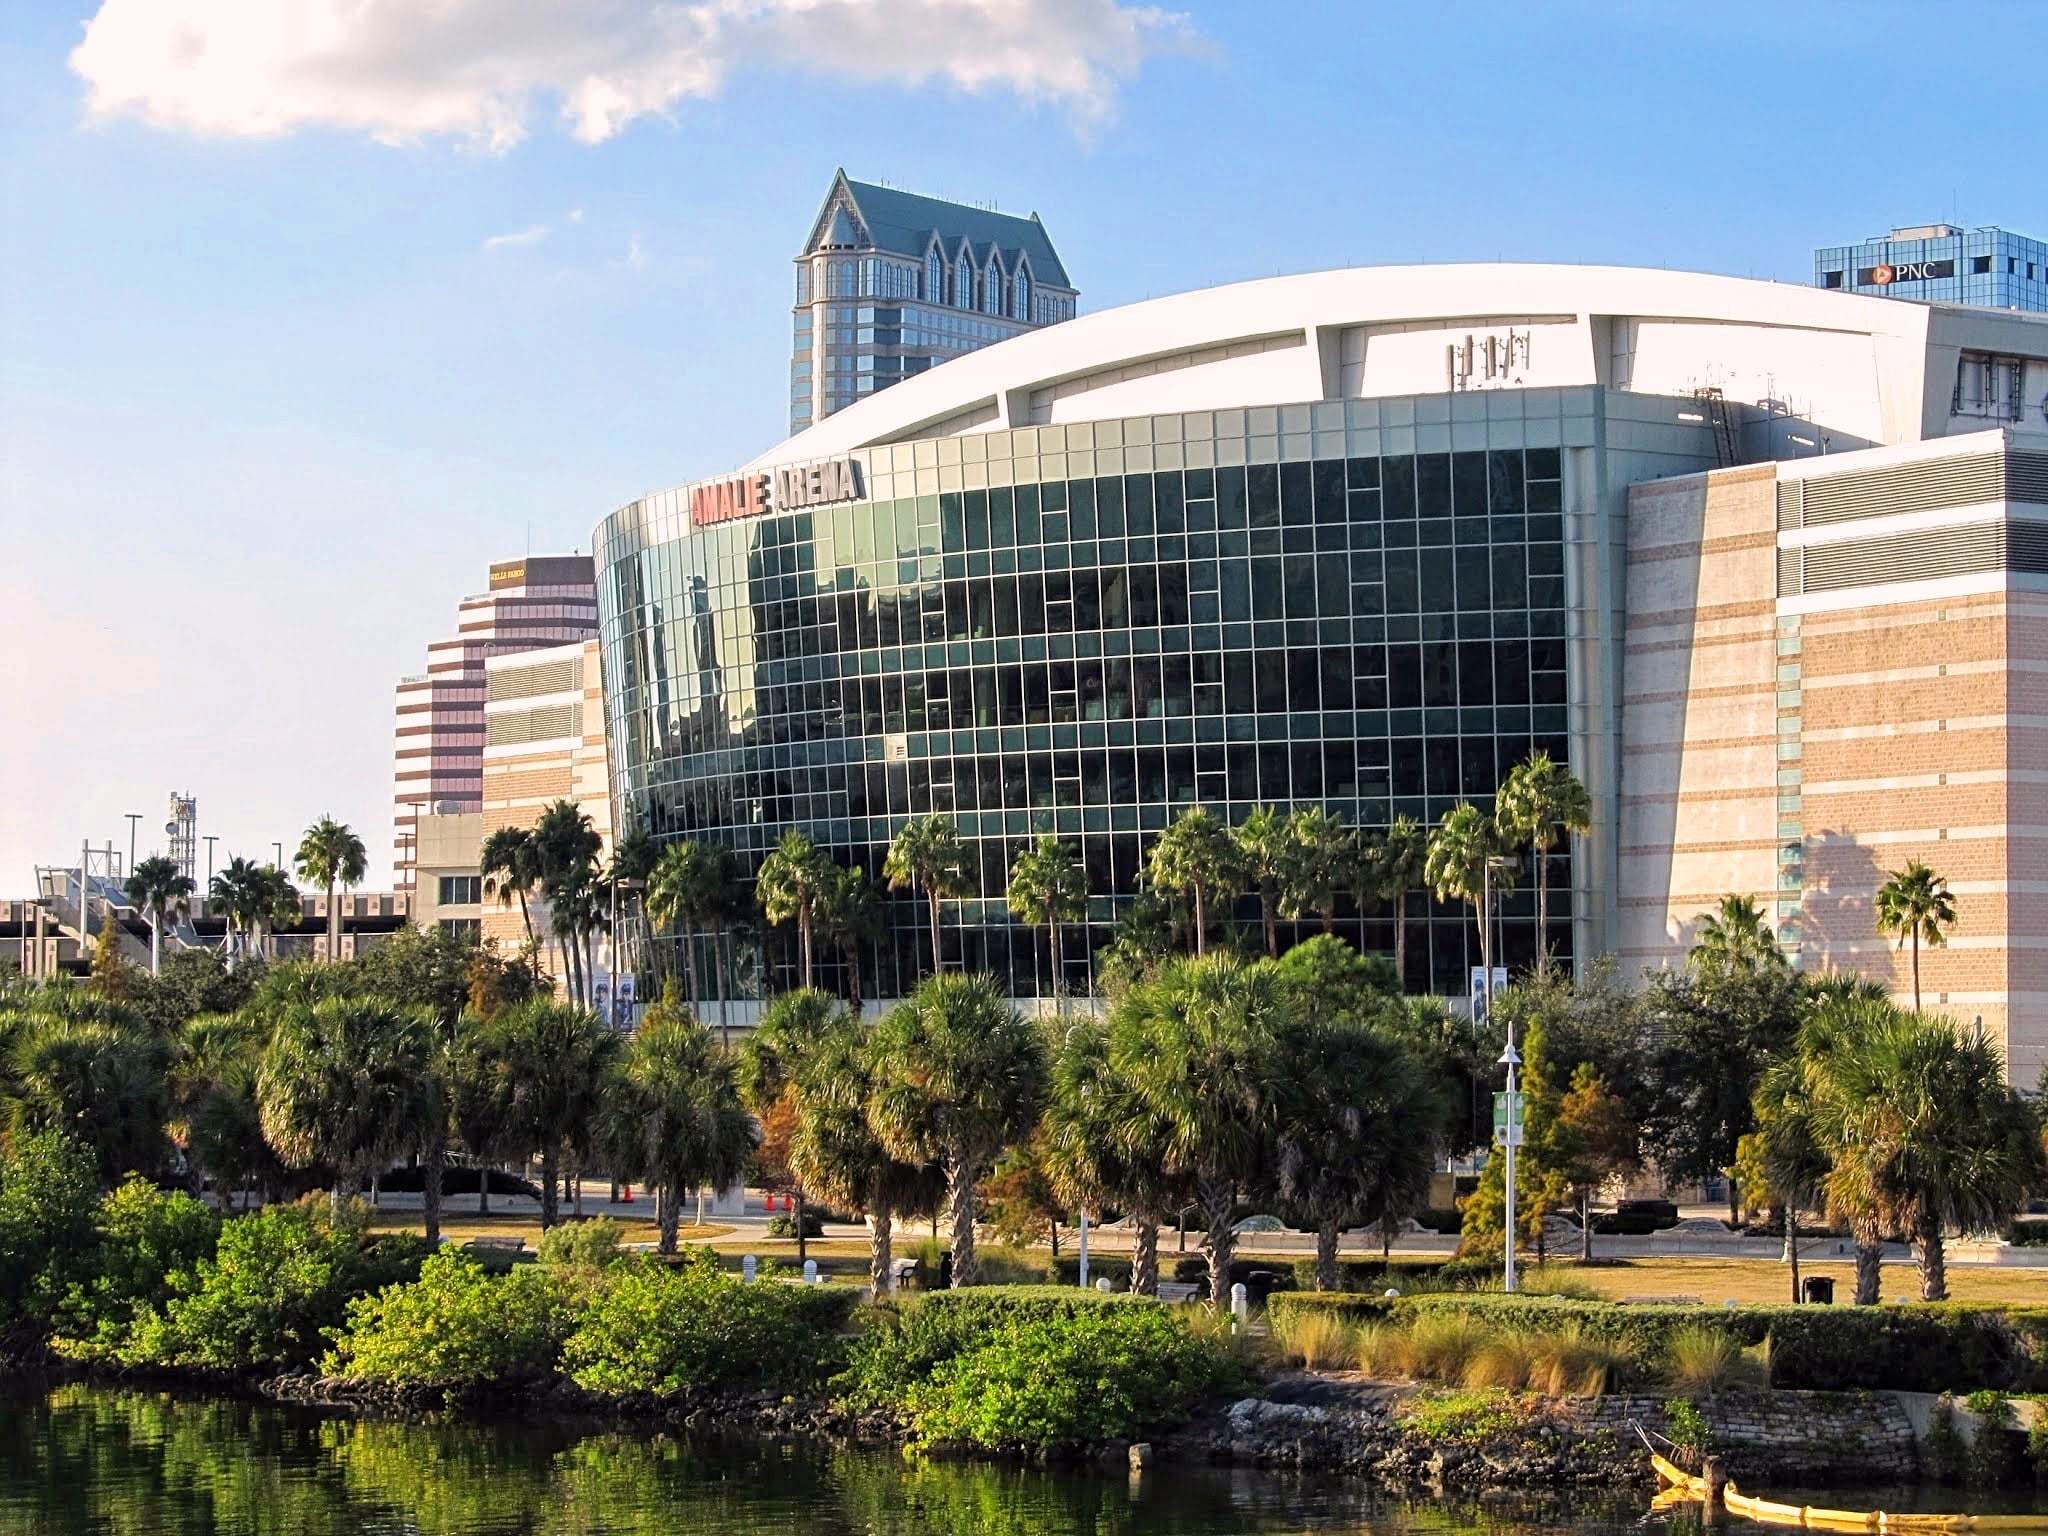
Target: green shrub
[783, 1224]
[1641, 1333]
[1352, 1306]
[47, 1185]
[905, 1344]
[1113, 1267]
[144, 1236]
[276, 1281]
[1945, 1346]
[588, 1244]
[1688, 1429]
[1052, 1381]
[668, 1328]
[456, 1325]
[1943, 1452]
[1441, 1418]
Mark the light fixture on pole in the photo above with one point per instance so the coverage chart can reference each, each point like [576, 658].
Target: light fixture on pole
[278, 850]
[1511, 1134]
[210, 840]
[133, 817]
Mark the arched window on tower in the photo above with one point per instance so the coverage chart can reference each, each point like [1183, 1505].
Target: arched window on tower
[992, 287]
[934, 277]
[1020, 296]
[963, 282]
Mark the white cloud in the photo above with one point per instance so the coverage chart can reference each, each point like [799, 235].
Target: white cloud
[636, 254]
[398, 70]
[575, 215]
[533, 234]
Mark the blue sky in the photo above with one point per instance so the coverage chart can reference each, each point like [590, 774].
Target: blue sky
[274, 389]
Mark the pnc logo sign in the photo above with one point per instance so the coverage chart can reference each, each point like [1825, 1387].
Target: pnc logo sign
[780, 490]
[1885, 273]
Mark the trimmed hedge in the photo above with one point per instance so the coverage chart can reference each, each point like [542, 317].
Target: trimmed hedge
[910, 1340]
[1351, 1306]
[1918, 1347]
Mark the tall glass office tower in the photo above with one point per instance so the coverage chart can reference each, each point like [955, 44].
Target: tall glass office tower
[890, 284]
[1943, 264]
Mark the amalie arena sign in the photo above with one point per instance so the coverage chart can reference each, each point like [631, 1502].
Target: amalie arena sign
[776, 490]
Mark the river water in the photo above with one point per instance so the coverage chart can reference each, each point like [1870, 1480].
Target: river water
[76, 1459]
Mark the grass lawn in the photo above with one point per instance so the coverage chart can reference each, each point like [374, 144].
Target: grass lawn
[461, 1228]
[1767, 1280]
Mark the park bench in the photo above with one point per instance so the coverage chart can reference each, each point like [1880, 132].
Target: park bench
[496, 1245]
[900, 1273]
[1177, 1290]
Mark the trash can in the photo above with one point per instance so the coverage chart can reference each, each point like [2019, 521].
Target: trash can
[1819, 1289]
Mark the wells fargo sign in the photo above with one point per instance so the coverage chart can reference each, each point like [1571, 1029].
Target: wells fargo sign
[778, 490]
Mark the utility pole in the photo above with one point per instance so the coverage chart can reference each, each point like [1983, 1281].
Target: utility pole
[133, 817]
[210, 841]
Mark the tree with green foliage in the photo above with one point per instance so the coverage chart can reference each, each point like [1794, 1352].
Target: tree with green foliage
[1393, 865]
[1049, 887]
[852, 915]
[1593, 1139]
[214, 1113]
[1923, 1133]
[1201, 1046]
[188, 983]
[331, 854]
[1915, 905]
[790, 888]
[1359, 1130]
[48, 1186]
[549, 1063]
[1467, 861]
[566, 848]
[672, 1113]
[347, 1082]
[1142, 939]
[1541, 802]
[143, 1236]
[835, 1151]
[88, 1069]
[694, 888]
[1196, 857]
[111, 977]
[510, 865]
[163, 891]
[793, 1026]
[1317, 857]
[1105, 1146]
[1735, 933]
[928, 856]
[1540, 1181]
[1717, 1025]
[958, 1077]
[1260, 842]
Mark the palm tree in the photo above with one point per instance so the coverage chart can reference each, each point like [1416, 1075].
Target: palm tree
[673, 894]
[510, 865]
[1393, 869]
[1048, 886]
[91, 1070]
[774, 1055]
[1359, 1133]
[1262, 846]
[1199, 1046]
[693, 888]
[958, 1076]
[566, 847]
[1924, 1134]
[1464, 863]
[242, 890]
[1916, 905]
[214, 1113]
[1735, 933]
[477, 1103]
[162, 891]
[1196, 857]
[673, 1115]
[928, 856]
[1540, 801]
[789, 888]
[1104, 1145]
[345, 1082]
[835, 1151]
[1317, 854]
[549, 1060]
[853, 918]
[331, 854]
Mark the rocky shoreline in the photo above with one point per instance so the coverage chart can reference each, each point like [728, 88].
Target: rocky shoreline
[1399, 1438]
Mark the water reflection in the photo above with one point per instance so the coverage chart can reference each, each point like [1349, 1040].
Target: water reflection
[83, 1459]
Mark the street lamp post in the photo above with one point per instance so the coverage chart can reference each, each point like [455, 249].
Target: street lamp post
[210, 840]
[277, 850]
[1511, 1059]
[133, 818]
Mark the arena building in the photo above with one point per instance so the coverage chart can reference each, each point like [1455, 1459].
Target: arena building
[1366, 538]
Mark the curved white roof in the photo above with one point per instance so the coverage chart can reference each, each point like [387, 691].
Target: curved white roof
[1860, 364]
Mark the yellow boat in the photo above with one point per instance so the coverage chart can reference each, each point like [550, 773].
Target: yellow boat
[1766, 1512]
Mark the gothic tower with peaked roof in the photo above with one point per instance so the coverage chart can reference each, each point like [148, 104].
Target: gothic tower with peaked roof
[889, 284]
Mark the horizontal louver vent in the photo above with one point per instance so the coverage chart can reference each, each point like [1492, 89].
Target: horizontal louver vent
[2026, 477]
[532, 682]
[1927, 486]
[1922, 555]
[1788, 503]
[515, 727]
[1788, 572]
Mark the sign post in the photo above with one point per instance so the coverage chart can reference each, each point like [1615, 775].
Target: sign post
[1508, 1118]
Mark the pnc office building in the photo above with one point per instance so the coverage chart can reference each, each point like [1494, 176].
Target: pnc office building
[1360, 538]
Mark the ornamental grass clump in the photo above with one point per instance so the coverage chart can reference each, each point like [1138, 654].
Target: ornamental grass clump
[1504, 1361]
[1574, 1363]
[1320, 1341]
[1380, 1350]
[1441, 1345]
[1701, 1360]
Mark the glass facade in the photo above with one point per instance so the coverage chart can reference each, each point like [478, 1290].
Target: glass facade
[1990, 267]
[1255, 612]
